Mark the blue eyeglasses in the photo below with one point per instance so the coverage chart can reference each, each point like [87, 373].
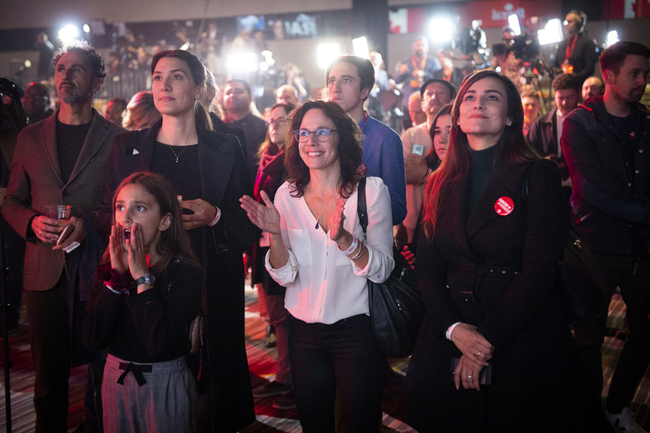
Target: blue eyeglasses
[321, 134]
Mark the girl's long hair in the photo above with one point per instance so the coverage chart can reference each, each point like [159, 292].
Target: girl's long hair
[173, 242]
[511, 147]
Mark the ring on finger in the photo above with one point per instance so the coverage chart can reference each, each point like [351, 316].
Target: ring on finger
[478, 355]
[469, 376]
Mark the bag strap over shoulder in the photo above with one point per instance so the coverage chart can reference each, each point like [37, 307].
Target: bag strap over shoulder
[362, 207]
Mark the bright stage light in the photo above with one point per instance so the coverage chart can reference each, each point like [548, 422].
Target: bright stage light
[360, 47]
[612, 38]
[441, 29]
[68, 34]
[551, 33]
[86, 28]
[327, 53]
[513, 23]
[242, 62]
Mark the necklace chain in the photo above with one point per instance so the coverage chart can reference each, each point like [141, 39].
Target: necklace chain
[317, 226]
[177, 155]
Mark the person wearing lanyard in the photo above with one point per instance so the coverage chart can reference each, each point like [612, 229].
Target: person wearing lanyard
[349, 81]
[577, 53]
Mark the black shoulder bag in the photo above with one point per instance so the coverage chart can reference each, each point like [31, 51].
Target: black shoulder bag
[579, 285]
[396, 307]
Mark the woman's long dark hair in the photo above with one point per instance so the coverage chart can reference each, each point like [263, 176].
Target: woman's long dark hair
[173, 242]
[273, 148]
[201, 115]
[349, 148]
[511, 147]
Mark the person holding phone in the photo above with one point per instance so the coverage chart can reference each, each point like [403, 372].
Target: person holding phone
[494, 353]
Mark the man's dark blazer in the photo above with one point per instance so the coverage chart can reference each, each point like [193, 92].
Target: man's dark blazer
[224, 180]
[36, 182]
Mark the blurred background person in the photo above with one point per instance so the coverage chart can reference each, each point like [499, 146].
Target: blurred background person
[37, 102]
[532, 107]
[270, 175]
[286, 94]
[141, 112]
[413, 72]
[449, 72]
[114, 111]
[577, 53]
[45, 71]
[418, 117]
[593, 86]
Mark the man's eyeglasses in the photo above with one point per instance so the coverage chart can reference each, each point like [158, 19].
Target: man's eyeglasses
[321, 134]
[276, 123]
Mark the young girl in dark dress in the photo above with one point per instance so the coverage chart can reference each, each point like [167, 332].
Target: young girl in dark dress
[147, 293]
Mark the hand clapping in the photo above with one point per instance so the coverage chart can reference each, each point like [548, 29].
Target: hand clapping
[266, 217]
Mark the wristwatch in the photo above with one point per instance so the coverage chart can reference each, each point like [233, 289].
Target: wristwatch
[146, 279]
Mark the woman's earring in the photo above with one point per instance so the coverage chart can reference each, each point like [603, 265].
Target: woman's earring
[509, 123]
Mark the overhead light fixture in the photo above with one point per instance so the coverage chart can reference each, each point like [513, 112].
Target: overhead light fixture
[612, 38]
[441, 29]
[68, 34]
[360, 47]
[327, 53]
[242, 62]
[551, 33]
[513, 23]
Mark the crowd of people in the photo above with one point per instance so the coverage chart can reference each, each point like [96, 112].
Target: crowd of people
[143, 281]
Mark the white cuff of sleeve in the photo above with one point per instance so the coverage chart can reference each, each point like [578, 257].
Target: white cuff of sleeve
[450, 330]
[216, 217]
[113, 290]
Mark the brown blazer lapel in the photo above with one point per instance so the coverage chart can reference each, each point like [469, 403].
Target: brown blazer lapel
[48, 141]
[97, 135]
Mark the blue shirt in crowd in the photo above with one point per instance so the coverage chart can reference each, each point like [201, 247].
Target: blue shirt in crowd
[384, 157]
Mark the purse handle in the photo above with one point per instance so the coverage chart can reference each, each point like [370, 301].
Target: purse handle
[362, 208]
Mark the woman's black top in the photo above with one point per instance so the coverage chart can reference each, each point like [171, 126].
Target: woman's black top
[184, 176]
[482, 171]
[152, 326]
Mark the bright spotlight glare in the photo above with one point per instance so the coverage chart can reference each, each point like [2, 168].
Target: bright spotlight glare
[68, 34]
[360, 47]
[612, 38]
[513, 23]
[327, 53]
[441, 29]
[86, 28]
[551, 33]
[242, 62]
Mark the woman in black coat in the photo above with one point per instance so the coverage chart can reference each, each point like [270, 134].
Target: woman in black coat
[486, 267]
[208, 171]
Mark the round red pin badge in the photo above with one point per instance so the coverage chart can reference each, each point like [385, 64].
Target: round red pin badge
[504, 206]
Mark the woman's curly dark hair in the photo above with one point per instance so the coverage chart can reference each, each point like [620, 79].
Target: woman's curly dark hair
[349, 148]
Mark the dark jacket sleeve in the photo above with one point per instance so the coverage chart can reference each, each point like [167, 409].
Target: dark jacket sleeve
[160, 316]
[599, 188]
[235, 232]
[98, 322]
[431, 271]
[535, 136]
[546, 233]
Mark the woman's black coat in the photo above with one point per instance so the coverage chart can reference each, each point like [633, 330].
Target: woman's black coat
[224, 180]
[498, 273]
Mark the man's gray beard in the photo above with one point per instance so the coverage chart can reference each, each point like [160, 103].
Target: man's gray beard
[76, 98]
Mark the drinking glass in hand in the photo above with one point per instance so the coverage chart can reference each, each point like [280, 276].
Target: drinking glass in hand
[59, 212]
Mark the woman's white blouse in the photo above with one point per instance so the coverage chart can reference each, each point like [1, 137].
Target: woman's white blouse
[323, 285]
